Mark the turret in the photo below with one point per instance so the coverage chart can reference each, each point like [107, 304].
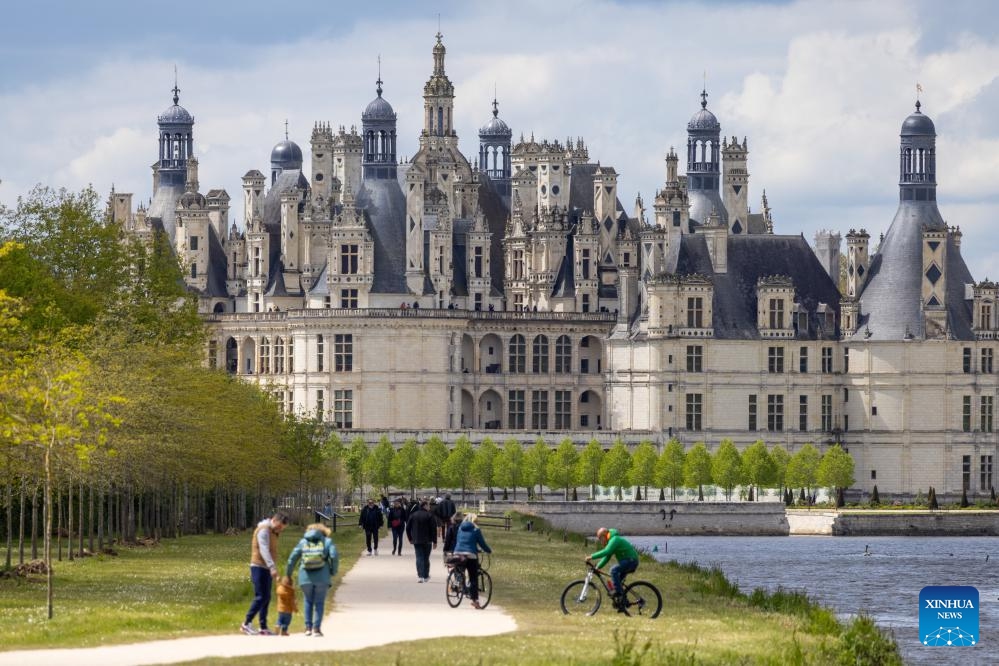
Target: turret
[736, 186]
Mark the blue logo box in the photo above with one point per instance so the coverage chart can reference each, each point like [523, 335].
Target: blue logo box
[948, 616]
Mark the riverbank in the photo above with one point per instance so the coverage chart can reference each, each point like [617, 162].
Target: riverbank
[652, 518]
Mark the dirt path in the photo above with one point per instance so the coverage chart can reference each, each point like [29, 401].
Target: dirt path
[378, 592]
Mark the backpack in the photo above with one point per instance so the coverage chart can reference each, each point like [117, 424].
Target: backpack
[314, 555]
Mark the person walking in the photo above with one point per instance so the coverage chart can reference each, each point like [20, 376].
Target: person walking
[371, 520]
[467, 546]
[447, 510]
[421, 530]
[263, 570]
[397, 523]
[319, 563]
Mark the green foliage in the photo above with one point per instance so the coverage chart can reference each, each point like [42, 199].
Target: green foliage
[405, 473]
[836, 468]
[864, 644]
[430, 465]
[802, 469]
[306, 446]
[536, 464]
[616, 467]
[355, 461]
[510, 466]
[458, 464]
[562, 466]
[669, 467]
[590, 461]
[781, 459]
[758, 465]
[697, 467]
[484, 463]
[378, 466]
[643, 465]
[625, 651]
[726, 467]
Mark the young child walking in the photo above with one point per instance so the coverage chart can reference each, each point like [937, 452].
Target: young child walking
[287, 604]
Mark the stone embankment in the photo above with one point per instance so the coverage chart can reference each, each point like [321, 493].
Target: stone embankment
[749, 519]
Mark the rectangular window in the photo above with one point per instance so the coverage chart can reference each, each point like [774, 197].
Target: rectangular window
[985, 321]
[563, 355]
[348, 260]
[695, 312]
[563, 410]
[803, 413]
[846, 395]
[213, 352]
[343, 409]
[966, 360]
[518, 302]
[515, 416]
[586, 302]
[343, 352]
[966, 472]
[986, 413]
[752, 413]
[194, 242]
[987, 357]
[803, 359]
[320, 353]
[775, 413]
[694, 406]
[966, 413]
[846, 423]
[477, 261]
[478, 302]
[291, 355]
[320, 403]
[586, 264]
[695, 358]
[775, 359]
[776, 313]
[846, 359]
[827, 413]
[827, 360]
[348, 298]
[985, 468]
[518, 265]
[194, 270]
[539, 410]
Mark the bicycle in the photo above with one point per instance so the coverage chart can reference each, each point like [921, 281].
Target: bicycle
[584, 596]
[457, 588]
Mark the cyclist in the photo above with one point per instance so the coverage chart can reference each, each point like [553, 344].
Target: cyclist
[467, 545]
[615, 545]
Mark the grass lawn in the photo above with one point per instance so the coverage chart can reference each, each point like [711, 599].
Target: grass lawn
[191, 586]
[199, 585]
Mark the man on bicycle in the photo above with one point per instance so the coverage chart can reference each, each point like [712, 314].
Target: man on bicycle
[615, 545]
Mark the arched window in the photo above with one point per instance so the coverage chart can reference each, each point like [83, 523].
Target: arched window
[518, 354]
[440, 121]
[563, 354]
[539, 355]
[265, 355]
[279, 355]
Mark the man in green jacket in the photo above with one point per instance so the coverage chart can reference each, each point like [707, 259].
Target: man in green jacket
[615, 545]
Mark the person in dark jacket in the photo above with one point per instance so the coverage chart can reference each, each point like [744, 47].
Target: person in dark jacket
[446, 510]
[451, 537]
[469, 541]
[397, 523]
[371, 520]
[422, 533]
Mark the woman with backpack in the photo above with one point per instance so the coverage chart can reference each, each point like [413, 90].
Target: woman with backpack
[319, 563]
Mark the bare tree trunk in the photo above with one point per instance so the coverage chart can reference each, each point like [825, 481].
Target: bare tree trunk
[10, 522]
[22, 508]
[79, 493]
[58, 509]
[34, 522]
[100, 520]
[69, 519]
[90, 510]
[48, 529]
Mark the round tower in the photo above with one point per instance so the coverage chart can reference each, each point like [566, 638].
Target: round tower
[176, 137]
[285, 156]
[378, 130]
[918, 158]
[704, 165]
[495, 139]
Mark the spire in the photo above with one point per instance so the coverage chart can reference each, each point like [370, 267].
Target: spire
[495, 103]
[176, 90]
[285, 129]
[704, 98]
[439, 52]
[378, 83]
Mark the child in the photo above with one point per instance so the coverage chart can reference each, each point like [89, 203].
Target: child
[286, 604]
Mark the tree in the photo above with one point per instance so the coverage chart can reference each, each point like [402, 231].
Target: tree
[616, 467]
[643, 465]
[536, 465]
[510, 465]
[669, 467]
[781, 458]
[378, 466]
[306, 447]
[562, 466]
[802, 469]
[458, 465]
[404, 466]
[758, 466]
[430, 465]
[726, 467]
[590, 461]
[697, 469]
[484, 465]
[835, 471]
[356, 459]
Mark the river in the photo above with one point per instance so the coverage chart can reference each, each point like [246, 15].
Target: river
[835, 572]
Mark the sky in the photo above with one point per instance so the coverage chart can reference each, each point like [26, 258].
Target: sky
[819, 89]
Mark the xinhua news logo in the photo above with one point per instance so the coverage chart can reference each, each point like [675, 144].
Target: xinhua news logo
[948, 616]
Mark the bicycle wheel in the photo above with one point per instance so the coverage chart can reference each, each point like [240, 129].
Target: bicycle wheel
[642, 599]
[578, 598]
[485, 588]
[454, 590]
[485, 559]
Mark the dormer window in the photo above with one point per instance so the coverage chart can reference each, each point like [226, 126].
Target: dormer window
[776, 313]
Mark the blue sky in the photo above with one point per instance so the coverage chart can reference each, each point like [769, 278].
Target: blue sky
[819, 88]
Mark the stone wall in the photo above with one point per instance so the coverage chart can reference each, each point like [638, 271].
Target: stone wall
[657, 518]
[917, 523]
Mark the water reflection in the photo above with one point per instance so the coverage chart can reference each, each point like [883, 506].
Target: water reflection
[881, 576]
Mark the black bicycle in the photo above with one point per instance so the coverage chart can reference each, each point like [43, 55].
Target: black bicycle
[584, 596]
[457, 587]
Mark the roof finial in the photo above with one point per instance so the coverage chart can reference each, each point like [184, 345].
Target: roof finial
[176, 90]
[704, 91]
[378, 87]
[919, 89]
[495, 103]
[285, 129]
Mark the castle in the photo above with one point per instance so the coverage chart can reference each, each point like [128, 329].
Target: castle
[515, 295]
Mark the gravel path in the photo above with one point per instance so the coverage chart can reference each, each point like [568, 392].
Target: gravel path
[377, 593]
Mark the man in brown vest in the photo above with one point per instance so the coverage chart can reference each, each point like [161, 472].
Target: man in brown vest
[263, 569]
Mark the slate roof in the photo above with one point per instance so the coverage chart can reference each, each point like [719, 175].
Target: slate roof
[384, 206]
[216, 265]
[163, 207]
[751, 257]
